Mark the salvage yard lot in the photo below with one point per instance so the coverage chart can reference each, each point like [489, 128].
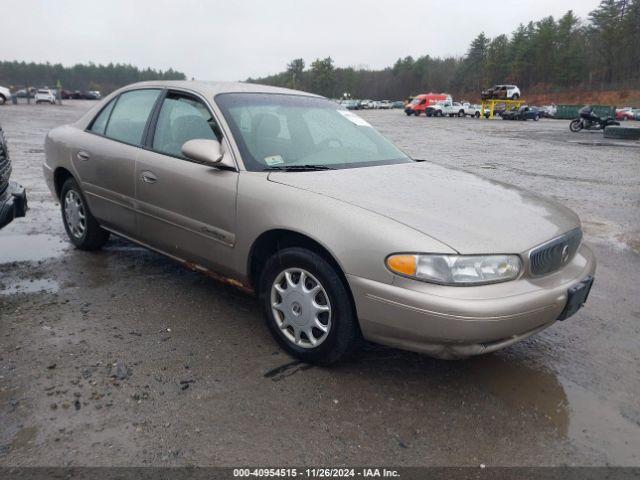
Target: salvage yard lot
[123, 357]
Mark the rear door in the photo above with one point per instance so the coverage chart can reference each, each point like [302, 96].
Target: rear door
[104, 158]
[185, 209]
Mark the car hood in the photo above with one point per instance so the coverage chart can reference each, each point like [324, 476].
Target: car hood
[470, 214]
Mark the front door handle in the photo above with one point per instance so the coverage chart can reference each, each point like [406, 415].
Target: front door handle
[82, 155]
[148, 177]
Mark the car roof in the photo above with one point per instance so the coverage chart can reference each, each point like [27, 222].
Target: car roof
[210, 89]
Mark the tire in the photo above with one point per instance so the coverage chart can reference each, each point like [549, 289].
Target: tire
[461, 113]
[575, 125]
[408, 113]
[515, 96]
[343, 333]
[622, 133]
[477, 115]
[536, 118]
[81, 226]
[3, 100]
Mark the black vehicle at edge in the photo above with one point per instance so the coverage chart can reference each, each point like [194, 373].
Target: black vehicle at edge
[13, 198]
[525, 112]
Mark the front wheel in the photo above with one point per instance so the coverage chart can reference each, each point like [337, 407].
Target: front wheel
[307, 306]
[81, 226]
[575, 125]
[477, 114]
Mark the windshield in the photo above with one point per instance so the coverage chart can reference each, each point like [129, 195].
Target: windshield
[275, 131]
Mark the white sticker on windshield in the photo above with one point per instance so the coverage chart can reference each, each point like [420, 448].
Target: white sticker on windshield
[273, 160]
[353, 118]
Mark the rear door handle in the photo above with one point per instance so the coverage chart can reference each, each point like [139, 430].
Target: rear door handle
[148, 177]
[82, 155]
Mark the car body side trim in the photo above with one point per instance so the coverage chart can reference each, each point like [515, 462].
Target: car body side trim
[187, 263]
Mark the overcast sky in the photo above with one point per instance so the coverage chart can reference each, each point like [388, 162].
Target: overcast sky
[235, 39]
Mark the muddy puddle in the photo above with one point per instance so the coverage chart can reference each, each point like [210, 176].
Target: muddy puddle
[30, 248]
[577, 414]
[43, 285]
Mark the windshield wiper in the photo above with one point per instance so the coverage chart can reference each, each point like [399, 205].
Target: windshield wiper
[298, 168]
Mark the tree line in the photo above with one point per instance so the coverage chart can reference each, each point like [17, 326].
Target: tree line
[105, 78]
[600, 52]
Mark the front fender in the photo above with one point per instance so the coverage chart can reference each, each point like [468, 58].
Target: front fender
[358, 239]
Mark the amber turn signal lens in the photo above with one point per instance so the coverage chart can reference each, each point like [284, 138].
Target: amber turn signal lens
[402, 264]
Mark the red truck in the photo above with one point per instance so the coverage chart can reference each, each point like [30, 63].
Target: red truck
[421, 102]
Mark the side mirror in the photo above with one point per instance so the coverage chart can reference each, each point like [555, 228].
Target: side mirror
[206, 152]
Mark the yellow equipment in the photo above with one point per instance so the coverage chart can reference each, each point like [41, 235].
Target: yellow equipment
[491, 104]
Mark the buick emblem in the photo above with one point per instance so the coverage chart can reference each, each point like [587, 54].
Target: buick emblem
[564, 256]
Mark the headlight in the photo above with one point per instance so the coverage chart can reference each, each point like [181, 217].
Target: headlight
[456, 269]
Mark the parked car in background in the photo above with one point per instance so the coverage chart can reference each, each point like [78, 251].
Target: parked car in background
[397, 104]
[548, 111]
[13, 198]
[366, 104]
[422, 102]
[45, 95]
[96, 94]
[24, 93]
[501, 92]
[636, 112]
[472, 110]
[449, 109]
[5, 95]
[625, 113]
[480, 266]
[525, 112]
[384, 104]
[89, 95]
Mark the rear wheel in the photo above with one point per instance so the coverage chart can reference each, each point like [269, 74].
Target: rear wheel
[461, 113]
[515, 96]
[307, 306]
[477, 115]
[82, 228]
[2, 99]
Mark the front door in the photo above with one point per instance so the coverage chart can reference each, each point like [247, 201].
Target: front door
[185, 209]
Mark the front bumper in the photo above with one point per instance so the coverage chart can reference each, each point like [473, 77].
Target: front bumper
[13, 204]
[457, 322]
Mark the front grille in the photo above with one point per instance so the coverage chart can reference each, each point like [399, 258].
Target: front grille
[5, 165]
[553, 255]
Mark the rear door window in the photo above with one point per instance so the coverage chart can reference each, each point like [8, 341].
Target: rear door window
[130, 115]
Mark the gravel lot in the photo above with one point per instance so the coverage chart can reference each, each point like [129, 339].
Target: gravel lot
[123, 357]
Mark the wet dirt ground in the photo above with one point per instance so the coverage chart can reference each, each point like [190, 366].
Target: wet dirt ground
[123, 357]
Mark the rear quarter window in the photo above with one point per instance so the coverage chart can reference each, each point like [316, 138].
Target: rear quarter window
[99, 123]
